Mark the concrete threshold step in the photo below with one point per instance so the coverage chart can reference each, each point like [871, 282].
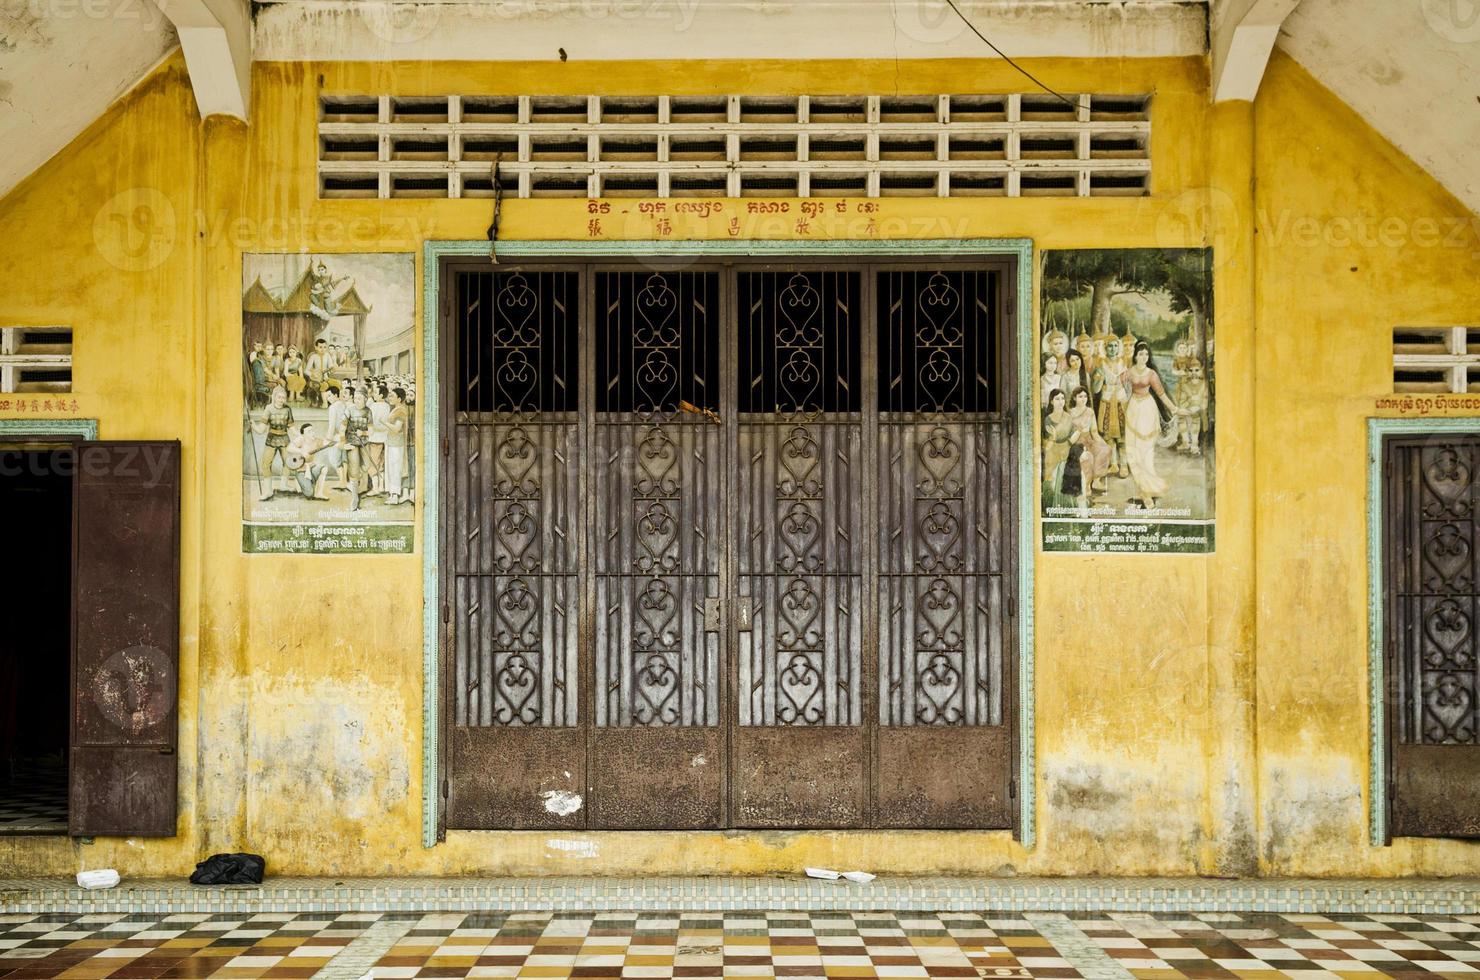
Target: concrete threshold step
[1430, 896]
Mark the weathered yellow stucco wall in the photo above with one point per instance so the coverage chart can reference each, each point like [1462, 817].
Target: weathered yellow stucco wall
[302, 676]
[1353, 239]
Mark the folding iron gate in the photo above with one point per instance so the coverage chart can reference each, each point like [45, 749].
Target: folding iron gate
[730, 546]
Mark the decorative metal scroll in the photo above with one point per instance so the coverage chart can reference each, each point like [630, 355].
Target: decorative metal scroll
[657, 480]
[517, 501]
[1438, 595]
[941, 479]
[799, 506]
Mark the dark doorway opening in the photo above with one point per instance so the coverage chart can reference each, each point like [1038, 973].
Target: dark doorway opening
[36, 486]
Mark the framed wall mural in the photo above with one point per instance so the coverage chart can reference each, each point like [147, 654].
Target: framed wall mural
[1125, 400]
[328, 403]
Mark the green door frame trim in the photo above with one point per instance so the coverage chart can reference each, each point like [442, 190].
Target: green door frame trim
[1377, 430]
[580, 250]
[86, 428]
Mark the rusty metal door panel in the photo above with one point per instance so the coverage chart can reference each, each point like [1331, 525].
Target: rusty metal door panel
[945, 551]
[1436, 791]
[799, 550]
[803, 777]
[945, 778]
[126, 627]
[1433, 600]
[746, 560]
[633, 787]
[658, 546]
[517, 778]
[512, 588]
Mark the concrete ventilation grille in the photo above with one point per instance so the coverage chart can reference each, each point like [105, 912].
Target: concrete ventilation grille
[35, 359]
[1436, 359]
[735, 146]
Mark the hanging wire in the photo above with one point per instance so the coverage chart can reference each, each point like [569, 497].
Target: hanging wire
[1003, 55]
[498, 207]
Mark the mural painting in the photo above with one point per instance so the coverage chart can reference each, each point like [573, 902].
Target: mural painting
[1125, 400]
[329, 403]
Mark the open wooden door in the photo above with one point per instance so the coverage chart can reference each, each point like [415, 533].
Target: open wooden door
[126, 628]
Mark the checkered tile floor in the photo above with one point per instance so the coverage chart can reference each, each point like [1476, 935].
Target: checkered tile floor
[35, 801]
[191, 946]
[665, 944]
[843, 945]
[1250, 945]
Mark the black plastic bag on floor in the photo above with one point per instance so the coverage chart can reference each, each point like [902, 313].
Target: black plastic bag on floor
[229, 869]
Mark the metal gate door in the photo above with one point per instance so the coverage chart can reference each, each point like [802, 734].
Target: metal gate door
[1431, 503]
[658, 551]
[730, 547]
[800, 749]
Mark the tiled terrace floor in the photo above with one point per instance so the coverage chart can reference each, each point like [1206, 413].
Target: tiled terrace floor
[843, 945]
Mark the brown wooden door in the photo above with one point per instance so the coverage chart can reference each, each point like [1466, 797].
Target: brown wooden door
[126, 624]
[1431, 544]
[762, 524]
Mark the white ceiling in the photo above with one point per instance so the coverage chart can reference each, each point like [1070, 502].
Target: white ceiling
[61, 65]
[1410, 67]
[587, 30]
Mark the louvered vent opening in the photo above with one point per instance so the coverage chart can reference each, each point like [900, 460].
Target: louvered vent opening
[958, 145]
[35, 359]
[1436, 360]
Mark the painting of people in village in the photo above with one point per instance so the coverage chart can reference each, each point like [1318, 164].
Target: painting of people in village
[329, 403]
[1125, 400]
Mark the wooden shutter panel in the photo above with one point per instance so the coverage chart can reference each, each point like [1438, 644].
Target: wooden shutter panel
[1432, 527]
[126, 628]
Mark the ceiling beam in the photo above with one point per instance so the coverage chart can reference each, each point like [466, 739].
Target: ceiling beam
[1243, 35]
[216, 36]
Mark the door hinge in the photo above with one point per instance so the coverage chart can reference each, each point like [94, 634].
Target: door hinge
[446, 612]
[1012, 607]
[1012, 789]
[1012, 423]
[444, 789]
[446, 447]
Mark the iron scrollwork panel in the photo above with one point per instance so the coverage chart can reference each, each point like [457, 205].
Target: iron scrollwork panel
[658, 534]
[799, 510]
[1438, 598]
[941, 577]
[941, 539]
[517, 502]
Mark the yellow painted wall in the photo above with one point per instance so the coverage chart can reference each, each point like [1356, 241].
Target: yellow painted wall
[1353, 239]
[301, 675]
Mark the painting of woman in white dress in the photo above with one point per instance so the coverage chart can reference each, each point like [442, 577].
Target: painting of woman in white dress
[1147, 410]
